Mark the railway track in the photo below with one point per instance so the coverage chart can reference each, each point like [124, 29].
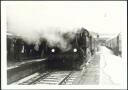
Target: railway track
[52, 78]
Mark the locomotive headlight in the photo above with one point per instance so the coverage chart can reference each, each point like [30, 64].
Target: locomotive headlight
[52, 50]
[74, 50]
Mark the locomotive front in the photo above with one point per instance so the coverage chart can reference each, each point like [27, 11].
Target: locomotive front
[58, 58]
[72, 58]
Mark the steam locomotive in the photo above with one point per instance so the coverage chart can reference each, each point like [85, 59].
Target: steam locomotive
[115, 44]
[83, 46]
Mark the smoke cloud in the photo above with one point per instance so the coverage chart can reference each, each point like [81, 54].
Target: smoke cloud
[32, 26]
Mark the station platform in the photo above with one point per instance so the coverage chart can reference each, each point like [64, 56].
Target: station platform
[103, 69]
[91, 73]
[19, 70]
[12, 65]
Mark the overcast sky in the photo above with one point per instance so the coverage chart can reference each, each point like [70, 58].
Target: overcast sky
[101, 17]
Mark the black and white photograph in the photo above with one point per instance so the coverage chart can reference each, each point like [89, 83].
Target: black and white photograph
[64, 44]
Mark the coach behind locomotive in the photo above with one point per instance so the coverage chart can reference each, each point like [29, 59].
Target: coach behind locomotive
[115, 44]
